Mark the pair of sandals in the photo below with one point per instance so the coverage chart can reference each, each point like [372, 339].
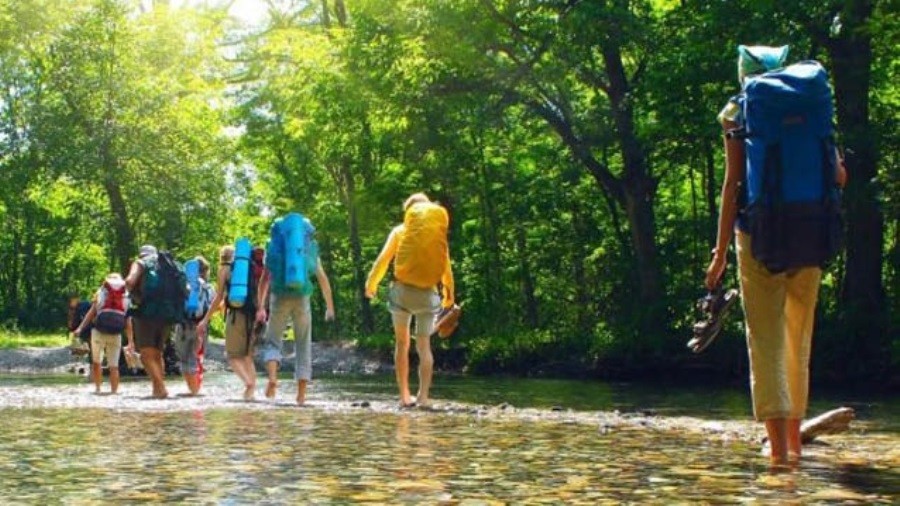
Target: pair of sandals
[446, 321]
[714, 306]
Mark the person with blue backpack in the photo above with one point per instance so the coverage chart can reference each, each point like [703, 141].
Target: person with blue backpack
[189, 340]
[292, 258]
[781, 197]
[239, 270]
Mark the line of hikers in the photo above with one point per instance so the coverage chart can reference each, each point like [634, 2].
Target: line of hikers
[260, 289]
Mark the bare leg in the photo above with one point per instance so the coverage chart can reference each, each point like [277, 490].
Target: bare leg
[794, 443]
[114, 379]
[301, 392]
[401, 360]
[96, 375]
[193, 383]
[426, 369]
[777, 431]
[272, 372]
[249, 377]
[153, 364]
[239, 365]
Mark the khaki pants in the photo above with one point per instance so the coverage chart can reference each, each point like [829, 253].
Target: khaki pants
[284, 307]
[779, 311]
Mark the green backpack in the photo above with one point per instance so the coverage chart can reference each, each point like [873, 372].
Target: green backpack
[163, 289]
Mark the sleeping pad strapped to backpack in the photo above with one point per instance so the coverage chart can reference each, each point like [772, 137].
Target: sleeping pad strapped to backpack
[422, 253]
[199, 292]
[792, 201]
[246, 272]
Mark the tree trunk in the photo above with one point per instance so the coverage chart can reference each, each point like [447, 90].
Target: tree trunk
[326, 16]
[531, 316]
[863, 291]
[29, 273]
[493, 272]
[638, 186]
[583, 308]
[125, 247]
[359, 276]
[712, 191]
[341, 12]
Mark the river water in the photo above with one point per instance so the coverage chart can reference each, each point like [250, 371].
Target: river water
[488, 441]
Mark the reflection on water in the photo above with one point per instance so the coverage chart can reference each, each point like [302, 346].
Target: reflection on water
[235, 453]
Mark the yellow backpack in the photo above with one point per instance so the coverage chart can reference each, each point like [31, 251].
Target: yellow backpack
[422, 252]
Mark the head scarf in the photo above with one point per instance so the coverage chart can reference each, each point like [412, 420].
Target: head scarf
[754, 60]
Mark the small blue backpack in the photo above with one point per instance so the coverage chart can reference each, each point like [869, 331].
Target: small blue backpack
[792, 203]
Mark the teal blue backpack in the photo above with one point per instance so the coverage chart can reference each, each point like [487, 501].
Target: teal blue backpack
[292, 254]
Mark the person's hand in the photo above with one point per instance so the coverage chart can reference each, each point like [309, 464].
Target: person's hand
[841, 176]
[202, 326]
[329, 314]
[129, 348]
[715, 270]
[370, 294]
[261, 315]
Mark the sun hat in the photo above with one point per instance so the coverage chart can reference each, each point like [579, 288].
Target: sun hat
[147, 250]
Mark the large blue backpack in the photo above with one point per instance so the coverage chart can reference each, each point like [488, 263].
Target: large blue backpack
[792, 203]
[292, 254]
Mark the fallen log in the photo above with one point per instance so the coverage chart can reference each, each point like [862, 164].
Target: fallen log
[830, 422]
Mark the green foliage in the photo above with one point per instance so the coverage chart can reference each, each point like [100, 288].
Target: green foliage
[12, 338]
[574, 144]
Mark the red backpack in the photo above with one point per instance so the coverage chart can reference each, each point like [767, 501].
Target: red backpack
[111, 315]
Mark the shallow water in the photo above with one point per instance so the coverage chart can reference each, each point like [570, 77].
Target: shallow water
[61, 443]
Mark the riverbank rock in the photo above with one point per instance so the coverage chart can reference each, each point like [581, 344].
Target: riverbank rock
[39, 360]
[327, 357]
[341, 357]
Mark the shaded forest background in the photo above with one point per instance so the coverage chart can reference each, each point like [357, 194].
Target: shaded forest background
[574, 143]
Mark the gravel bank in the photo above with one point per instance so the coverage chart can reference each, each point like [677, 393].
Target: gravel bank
[328, 358]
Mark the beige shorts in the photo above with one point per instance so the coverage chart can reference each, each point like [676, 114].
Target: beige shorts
[238, 338]
[406, 301]
[108, 345]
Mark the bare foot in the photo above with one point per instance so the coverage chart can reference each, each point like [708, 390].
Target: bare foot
[271, 388]
[301, 392]
[249, 392]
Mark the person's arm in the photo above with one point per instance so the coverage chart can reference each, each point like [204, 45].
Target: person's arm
[326, 290]
[88, 318]
[734, 174]
[379, 269]
[221, 279]
[129, 333]
[447, 283]
[134, 276]
[262, 295]
[841, 176]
